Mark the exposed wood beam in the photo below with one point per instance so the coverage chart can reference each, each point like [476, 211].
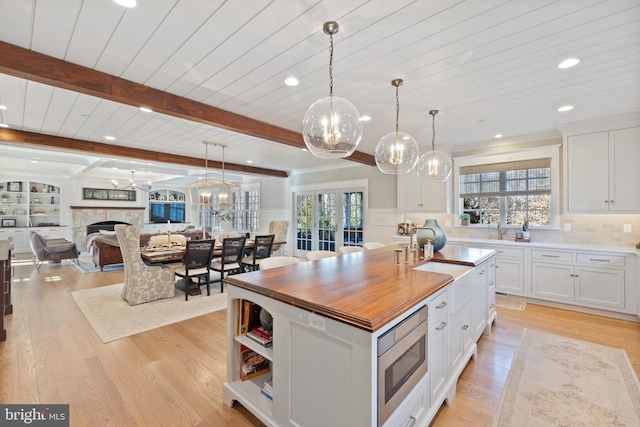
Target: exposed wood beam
[101, 149]
[30, 65]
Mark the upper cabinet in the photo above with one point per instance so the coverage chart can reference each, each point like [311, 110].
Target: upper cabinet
[418, 195]
[602, 172]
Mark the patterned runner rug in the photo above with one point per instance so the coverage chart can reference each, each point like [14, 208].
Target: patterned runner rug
[112, 318]
[559, 381]
[509, 303]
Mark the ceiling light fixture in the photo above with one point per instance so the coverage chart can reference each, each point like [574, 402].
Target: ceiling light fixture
[568, 63]
[110, 138]
[365, 118]
[126, 3]
[291, 81]
[146, 109]
[565, 108]
[331, 127]
[3, 107]
[4, 125]
[498, 135]
[434, 165]
[211, 192]
[132, 183]
[397, 152]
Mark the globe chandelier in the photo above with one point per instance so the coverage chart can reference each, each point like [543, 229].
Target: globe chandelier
[397, 152]
[331, 127]
[434, 165]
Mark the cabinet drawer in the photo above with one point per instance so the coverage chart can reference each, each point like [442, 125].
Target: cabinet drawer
[414, 409]
[503, 251]
[549, 255]
[439, 307]
[599, 259]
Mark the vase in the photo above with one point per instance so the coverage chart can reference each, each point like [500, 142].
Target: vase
[438, 237]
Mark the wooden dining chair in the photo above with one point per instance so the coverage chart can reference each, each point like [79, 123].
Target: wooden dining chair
[230, 259]
[197, 264]
[262, 248]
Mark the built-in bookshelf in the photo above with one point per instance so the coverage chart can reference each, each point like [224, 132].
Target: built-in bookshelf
[29, 204]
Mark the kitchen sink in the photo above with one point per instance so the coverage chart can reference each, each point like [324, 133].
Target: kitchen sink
[453, 270]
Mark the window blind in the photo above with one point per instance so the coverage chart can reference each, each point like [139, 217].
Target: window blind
[526, 177]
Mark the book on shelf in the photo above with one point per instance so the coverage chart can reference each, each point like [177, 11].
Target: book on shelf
[250, 316]
[267, 389]
[250, 375]
[252, 364]
[260, 339]
[259, 330]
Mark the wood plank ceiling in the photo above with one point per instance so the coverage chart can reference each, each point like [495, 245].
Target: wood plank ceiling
[490, 67]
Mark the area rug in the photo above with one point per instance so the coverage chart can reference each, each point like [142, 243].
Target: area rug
[85, 264]
[510, 304]
[112, 318]
[558, 381]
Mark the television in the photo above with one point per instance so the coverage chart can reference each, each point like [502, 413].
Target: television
[161, 212]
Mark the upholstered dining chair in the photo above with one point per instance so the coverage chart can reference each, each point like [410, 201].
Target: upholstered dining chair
[231, 257]
[349, 249]
[278, 261]
[313, 255]
[372, 245]
[279, 228]
[142, 282]
[262, 248]
[197, 264]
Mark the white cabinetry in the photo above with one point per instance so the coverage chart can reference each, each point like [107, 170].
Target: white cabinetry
[439, 346]
[591, 279]
[509, 268]
[418, 195]
[602, 171]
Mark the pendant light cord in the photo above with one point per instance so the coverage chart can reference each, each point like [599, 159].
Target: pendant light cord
[433, 129]
[330, 64]
[397, 108]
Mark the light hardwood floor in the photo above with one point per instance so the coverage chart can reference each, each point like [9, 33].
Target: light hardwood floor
[173, 376]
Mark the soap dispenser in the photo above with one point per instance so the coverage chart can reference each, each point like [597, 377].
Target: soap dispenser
[428, 250]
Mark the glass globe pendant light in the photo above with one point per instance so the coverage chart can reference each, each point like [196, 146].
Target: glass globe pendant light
[397, 152]
[331, 127]
[434, 165]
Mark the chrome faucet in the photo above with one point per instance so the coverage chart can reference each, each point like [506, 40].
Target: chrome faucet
[501, 230]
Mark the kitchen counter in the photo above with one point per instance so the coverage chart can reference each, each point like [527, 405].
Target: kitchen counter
[365, 289]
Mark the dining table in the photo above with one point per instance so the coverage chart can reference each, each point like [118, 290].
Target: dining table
[172, 256]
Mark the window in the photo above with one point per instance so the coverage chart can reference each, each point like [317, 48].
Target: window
[353, 209]
[510, 192]
[246, 214]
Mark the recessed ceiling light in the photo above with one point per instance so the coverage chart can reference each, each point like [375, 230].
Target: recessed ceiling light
[34, 161]
[498, 135]
[145, 109]
[291, 81]
[568, 63]
[304, 149]
[3, 107]
[110, 138]
[365, 118]
[249, 161]
[565, 108]
[126, 3]
[4, 125]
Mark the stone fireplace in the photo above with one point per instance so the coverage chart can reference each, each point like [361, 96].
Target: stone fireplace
[82, 216]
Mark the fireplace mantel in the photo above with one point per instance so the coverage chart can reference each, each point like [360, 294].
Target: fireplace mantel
[141, 208]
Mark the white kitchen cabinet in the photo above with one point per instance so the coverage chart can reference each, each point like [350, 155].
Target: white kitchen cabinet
[491, 313]
[509, 268]
[18, 236]
[553, 281]
[602, 171]
[439, 346]
[419, 195]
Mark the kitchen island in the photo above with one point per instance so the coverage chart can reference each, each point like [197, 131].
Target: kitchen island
[327, 317]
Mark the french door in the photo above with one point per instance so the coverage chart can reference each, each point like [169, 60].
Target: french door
[327, 220]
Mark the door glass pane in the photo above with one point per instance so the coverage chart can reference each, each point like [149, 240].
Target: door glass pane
[304, 215]
[326, 205]
[352, 213]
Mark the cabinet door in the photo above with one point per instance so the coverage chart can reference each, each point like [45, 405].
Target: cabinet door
[599, 286]
[510, 276]
[588, 172]
[624, 153]
[417, 195]
[438, 361]
[552, 281]
[409, 193]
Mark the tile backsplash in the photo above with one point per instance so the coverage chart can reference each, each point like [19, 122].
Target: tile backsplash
[599, 230]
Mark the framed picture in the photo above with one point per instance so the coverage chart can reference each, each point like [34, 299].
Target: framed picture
[8, 222]
[181, 198]
[152, 196]
[109, 194]
[15, 186]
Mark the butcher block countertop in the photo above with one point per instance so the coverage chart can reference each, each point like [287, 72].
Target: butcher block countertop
[364, 289]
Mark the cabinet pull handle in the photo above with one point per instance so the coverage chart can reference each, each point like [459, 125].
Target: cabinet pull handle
[443, 304]
[500, 252]
[465, 327]
[606, 201]
[481, 273]
[441, 326]
[598, 259]
[551, 256]
[412, 421]
[492, 306]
